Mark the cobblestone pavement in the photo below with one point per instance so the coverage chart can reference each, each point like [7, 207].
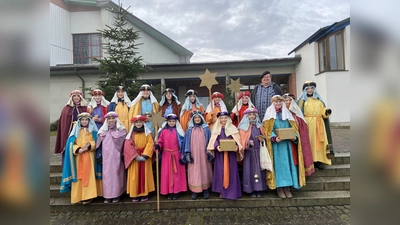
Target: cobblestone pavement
[264, 215]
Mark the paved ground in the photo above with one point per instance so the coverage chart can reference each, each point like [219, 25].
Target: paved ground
[264, 215]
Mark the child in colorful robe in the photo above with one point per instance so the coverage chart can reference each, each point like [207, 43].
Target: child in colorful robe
[303, 133]
[316, 115]
[191, 104]
[214, 107]
[173, 174]
[226, 179]
[138, 150]
[169, 103]
[243, 104]
[76, 104]
[81, 174]
[145, 104]
[194, 154]
[251, 134]
[98, 107]
[120, 104]
[110, 142]
[285, 173]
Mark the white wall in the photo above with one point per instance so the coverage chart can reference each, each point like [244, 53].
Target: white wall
[62, 85]
[334, 87]
[86, 22]
[60, 36]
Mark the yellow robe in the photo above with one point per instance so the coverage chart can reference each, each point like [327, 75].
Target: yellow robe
[141, 141]
[137, 110]
[95, 187]
[210, 117]
[314, 113]
[123, 114]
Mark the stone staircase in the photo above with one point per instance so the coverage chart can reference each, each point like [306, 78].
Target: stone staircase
[327, 187]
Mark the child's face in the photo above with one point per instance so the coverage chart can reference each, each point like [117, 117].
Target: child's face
[288, 100]
[84, 122]
[171, 123]
[138, 124]
[217, 99]
[97, 98]
[120, 93]
[278, 104]
[168, 95]
[192, 98]
[252, 116]
[111, 120]
[145, 93]
[76, 98]
[197, 119]
[245, 100]
[223, 119]
[310, 90]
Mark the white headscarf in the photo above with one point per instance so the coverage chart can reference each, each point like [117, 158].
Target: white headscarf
[140, 95]
[118, 124]
[76, 129]
[177, 125]
[147, 131]
[126, 99]
[229, 127]
[103, 102]
[71, 102]
[221, 103]
[296, 109]
[270, 113]
[239, 105]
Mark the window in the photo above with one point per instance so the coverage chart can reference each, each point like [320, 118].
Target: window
[86, 46]
[331, 52]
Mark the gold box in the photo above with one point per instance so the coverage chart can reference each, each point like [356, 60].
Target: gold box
[227, 145]
[285, 133]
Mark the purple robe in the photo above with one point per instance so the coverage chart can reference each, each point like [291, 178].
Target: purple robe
[251, 165]
[234, 191]
[113, 167]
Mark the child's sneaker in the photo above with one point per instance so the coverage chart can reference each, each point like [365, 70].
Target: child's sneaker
[135, 199]
[107, 200]
[143, 199]
[115, 200]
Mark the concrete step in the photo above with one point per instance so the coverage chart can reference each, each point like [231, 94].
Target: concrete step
[312, 184]
[300, 198]
[55, 167]
[333, 171]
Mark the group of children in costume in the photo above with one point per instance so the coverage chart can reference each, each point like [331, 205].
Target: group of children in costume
[109, 147]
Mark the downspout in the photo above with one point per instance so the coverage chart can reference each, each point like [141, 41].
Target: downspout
[83, 82]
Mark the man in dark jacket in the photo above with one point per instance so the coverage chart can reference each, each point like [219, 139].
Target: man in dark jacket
[262, 93]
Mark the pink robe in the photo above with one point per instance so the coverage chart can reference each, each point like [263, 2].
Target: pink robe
[113, 167]
[173, 174]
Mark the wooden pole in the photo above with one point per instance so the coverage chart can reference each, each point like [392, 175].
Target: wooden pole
[157, 172]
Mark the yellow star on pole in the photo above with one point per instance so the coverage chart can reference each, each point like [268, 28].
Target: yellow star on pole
[156, 119]
[208, 79]
[235, 85]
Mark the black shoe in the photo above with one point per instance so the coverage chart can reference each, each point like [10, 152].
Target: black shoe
[194, 196]
[175, 197]
[259, 194]
[206, 195]
[170, 196]
[253, 194]
[319, 165]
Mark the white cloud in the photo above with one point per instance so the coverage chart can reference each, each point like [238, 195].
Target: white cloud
[238, 30]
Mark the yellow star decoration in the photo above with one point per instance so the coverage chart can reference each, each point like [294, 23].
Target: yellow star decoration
[235, 85]
[208, 79]
[156, 119]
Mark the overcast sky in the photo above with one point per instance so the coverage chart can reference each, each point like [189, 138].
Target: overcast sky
[225, 30]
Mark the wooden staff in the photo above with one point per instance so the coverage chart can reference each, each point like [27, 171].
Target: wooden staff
[157, 173]
[156, 120]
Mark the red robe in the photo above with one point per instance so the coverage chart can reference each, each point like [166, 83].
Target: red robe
[65, 126]
[176, 109]
[235, 120]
